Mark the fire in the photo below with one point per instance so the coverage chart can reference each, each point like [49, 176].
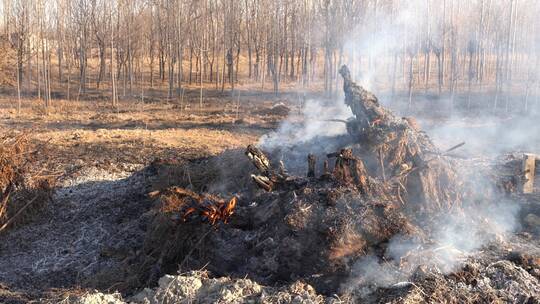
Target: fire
[213, 211]
[376, 122]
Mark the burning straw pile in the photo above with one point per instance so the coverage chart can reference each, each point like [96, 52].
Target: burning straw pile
[21, 194]
[384, 187]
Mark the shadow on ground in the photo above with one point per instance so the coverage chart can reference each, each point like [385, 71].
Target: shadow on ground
[94, 221]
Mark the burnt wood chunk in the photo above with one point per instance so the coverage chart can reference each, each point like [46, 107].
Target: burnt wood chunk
[258, 158]
[350, 169]
[326, 170]
[282, 171]
[263, 182]
[363, 103]
[311, 165]
[268, 178]
[529, 168]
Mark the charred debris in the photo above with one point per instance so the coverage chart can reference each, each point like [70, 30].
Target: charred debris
[387, 158]
[387, 181]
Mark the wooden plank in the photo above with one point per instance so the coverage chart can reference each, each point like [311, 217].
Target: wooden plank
[529, 170]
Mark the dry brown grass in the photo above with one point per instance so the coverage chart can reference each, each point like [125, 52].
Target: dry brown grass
[138, 132]
[23, 191]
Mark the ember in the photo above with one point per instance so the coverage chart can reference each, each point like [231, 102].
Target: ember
[211, 210]
[191, 205]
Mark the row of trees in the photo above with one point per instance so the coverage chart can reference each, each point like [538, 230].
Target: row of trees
[452, 46]
[129, 46]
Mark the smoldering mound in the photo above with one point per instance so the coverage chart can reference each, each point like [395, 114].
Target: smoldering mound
[392, 204]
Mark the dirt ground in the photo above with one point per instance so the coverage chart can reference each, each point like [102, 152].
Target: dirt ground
[102, 159]
[98, 155]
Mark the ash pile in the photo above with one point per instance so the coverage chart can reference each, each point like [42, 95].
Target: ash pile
[378, 214]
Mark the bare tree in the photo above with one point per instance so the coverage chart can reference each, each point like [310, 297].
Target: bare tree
[20, 26]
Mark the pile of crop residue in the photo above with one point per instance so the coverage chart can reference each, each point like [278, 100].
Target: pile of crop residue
[23, 191]
[379, 214]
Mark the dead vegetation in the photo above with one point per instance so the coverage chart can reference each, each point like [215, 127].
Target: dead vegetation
[279, 109]
[23, 191]
[223, 173]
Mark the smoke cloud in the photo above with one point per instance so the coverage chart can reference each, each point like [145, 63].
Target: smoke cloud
[311, 122]
[485, 136]
[309, 131]
[389, 33]
[453, 238]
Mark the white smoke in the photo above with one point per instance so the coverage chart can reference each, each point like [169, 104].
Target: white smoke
[308, 131]
[389, 33]
[453, 238]
[311, 122]
[485, 136]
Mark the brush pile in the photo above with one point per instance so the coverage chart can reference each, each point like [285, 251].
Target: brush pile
[21, 194]
[386, 184]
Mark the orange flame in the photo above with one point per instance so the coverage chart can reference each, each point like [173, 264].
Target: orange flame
[376, 122]
[214, 211]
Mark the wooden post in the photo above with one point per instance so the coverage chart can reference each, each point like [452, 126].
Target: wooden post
[282, 170]
[326, 170]
[311, 165]
[529, 167]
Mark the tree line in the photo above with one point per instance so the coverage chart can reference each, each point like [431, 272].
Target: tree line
[128, 46]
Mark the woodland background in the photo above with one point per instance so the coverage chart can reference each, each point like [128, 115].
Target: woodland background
[66, 49]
